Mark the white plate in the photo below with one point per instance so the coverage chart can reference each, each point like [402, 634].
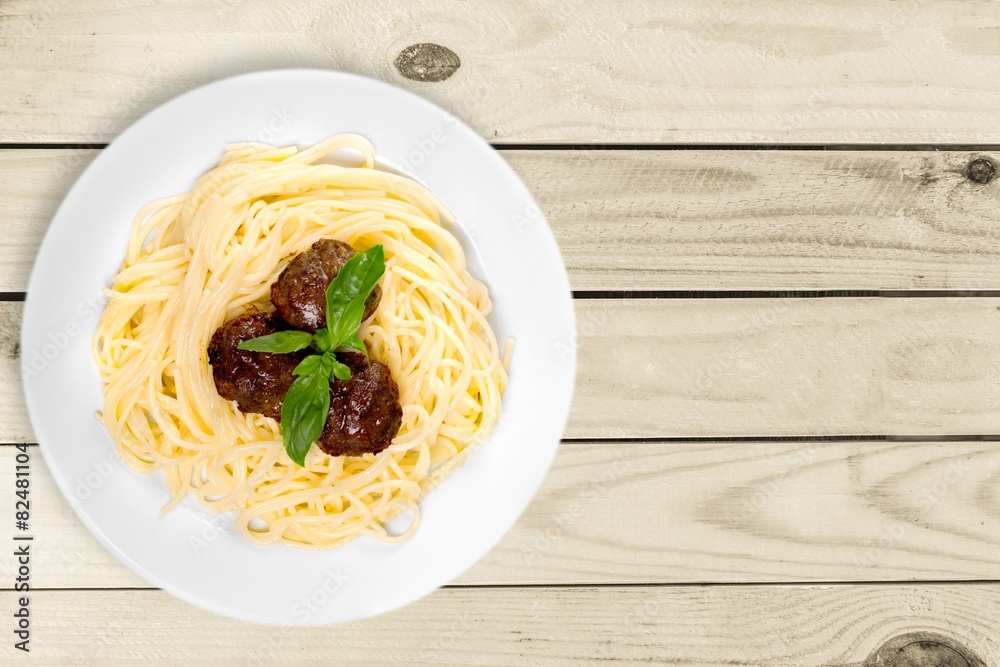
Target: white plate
[195, 554]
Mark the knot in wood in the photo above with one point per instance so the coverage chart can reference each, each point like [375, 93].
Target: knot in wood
[923, 649]
[427, 62]
[980, 171]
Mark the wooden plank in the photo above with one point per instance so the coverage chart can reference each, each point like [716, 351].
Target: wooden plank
[746, 367]
[677, 513]
[744, 220]
[795, 626]
[786, 367]
[689, 220]
[577, 71]
[14, 423]
[34, 182]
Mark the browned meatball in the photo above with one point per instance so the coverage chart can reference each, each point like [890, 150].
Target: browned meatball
[257, 381]
[365, 414]
[299, 293]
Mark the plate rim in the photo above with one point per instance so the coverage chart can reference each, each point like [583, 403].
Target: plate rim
[49, 243]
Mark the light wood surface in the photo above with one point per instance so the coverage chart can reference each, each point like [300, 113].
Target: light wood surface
[654, 368]
[572, 71]
[679, 512]
[679, 525]
[687, 626]
[689, 220]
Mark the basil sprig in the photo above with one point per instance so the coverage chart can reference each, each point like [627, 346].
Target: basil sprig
[279, 343]
[307, 403]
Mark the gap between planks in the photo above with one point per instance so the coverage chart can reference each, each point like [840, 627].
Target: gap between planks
[735, 294]
[818, 439]
[542, 146]
[906, 583]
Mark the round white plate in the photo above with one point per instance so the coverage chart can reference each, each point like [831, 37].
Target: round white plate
[194, 554]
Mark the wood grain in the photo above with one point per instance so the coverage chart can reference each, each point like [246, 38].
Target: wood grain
[689, 220]
[744, 367]
[744, 220]
[609, 562]
[576, 71]
[779, 367]
[794, 626]
[33, 182]
[672, 513]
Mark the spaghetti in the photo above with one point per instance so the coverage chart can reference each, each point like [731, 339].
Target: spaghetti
[197, 260]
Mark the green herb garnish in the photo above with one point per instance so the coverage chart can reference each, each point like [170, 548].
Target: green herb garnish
[307, 403]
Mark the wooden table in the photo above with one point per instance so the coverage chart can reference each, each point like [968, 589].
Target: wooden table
[782, 226]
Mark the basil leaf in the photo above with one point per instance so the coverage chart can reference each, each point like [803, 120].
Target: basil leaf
[309, 365]
[356, 279]
[331, 367]
[355, 343]
[341, 371]
[278, 343]
[323, 341]
[350, 320]
[326, 364]
[304, 413]
[307, 402]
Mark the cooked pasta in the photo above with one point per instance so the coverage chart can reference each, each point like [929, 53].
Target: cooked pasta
[197, 260]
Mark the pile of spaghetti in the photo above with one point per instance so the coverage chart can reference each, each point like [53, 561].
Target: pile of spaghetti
[197, 260]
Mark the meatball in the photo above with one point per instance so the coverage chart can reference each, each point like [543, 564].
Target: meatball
[299, 293]
[365, 414]
[257, 381]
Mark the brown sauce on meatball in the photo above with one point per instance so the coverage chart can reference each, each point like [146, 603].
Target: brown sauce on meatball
[299, 294]
[365, 414]
[257, 381]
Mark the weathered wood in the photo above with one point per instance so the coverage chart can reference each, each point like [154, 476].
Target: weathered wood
[667, 514]
[745, 220]
[779, 367]
[33, 184]
[678, 513]
[745, 367]
[796, 626]
[573, 71]
[690, 220]
[923, 649]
